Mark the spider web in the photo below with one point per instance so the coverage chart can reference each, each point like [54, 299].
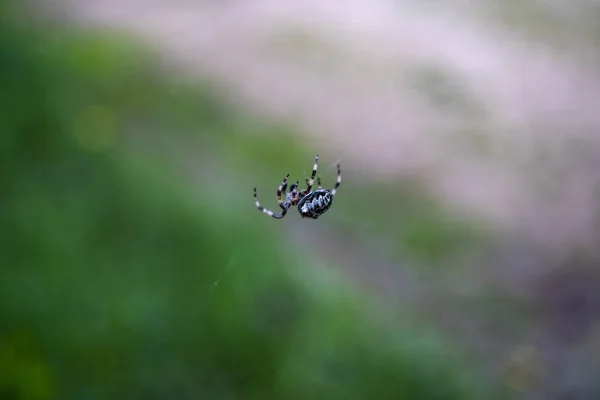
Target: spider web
[226, 270]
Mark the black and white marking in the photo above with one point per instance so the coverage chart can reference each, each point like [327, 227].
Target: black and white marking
[311, 204]
[314, 204]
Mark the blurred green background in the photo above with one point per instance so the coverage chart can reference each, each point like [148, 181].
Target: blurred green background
[135, 265]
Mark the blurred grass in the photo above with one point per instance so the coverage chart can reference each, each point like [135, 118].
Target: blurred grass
[121, 280]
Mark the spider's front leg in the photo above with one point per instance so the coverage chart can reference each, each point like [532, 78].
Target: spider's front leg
[268, 212]
[294, 195]
[293, 189]
[309, 182]
[280, 189]
[338, 182]
[319, 186]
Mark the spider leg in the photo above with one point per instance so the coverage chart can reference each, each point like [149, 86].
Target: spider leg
[280, 189]
[294, 195]
[338, 182]
[268, 212]
[319, 186]
[309, 182]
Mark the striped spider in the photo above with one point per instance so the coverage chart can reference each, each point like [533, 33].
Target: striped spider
[311, 203]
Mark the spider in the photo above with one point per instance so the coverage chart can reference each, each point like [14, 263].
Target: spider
[311, 204]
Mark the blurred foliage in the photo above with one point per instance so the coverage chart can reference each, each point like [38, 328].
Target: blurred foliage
[566, 27]
[118, 281]
[445, 89]
[416, 224]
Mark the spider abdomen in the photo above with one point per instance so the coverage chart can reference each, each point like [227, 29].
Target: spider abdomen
[315, 203]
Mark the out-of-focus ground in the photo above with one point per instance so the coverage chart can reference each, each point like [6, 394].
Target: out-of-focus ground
[492, 107]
